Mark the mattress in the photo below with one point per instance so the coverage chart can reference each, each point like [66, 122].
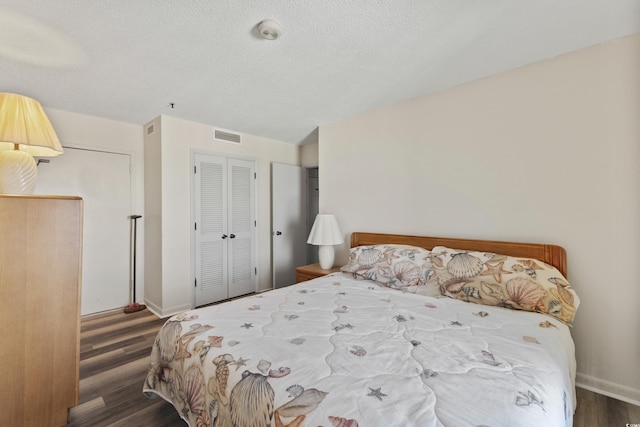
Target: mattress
[336, 351]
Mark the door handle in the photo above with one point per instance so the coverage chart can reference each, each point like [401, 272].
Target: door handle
[278, 233]
[233, 236]
[224, 236]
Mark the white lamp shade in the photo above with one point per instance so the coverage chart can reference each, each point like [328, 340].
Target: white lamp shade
[325, 231]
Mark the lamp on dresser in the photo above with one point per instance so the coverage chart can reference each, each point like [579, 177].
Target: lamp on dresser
[25, 131]
[325, 233]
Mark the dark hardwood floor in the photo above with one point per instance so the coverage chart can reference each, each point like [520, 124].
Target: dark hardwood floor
[114, 353]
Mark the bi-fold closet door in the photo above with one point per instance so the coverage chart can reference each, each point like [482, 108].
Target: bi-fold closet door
[225, 228]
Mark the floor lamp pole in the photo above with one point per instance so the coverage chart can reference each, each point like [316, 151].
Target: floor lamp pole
[134, 306]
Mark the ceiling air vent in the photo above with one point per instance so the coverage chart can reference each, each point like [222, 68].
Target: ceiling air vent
[226, 136]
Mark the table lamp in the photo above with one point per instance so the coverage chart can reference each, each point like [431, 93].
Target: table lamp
[325, 233]
[25, 131]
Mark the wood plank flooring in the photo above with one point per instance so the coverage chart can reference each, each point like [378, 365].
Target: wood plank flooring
[596, 410]
[114, 354]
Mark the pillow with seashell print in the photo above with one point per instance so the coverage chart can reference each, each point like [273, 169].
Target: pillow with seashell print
[403, 267]
[505, 281]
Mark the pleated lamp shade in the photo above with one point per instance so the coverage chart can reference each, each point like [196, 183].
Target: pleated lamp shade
[325, 233]
[25, 131]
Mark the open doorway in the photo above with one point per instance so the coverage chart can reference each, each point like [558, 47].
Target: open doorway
[294, 206]
[313, 209]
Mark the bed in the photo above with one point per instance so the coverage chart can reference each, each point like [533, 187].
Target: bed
[404, 336]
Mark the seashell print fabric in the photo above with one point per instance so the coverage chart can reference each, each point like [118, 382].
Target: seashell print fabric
[403, 267]
[500, 280]
[358, 353]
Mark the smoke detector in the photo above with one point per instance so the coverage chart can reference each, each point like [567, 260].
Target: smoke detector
[269, 29]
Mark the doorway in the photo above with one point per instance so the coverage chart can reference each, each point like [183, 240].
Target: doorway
[313, 209]
[103, 180]
[294, 206]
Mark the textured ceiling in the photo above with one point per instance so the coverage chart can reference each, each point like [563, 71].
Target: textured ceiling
[129, 60]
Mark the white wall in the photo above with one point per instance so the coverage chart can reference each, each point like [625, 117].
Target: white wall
[179, 139]
[545, 153]
[82, 131]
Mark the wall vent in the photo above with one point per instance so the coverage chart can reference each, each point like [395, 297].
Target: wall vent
[226, 136]
[150, 129]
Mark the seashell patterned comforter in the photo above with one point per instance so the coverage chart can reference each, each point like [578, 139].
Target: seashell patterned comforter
[335, 351]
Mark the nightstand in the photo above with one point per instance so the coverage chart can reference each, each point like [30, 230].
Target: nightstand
[311, 271]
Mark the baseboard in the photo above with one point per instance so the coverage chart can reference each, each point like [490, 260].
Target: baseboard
[164, 313]
[607, 388]
[109, 312]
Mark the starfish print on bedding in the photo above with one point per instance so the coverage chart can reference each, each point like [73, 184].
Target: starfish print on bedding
[182, 350]
[247, 325]
[240, 362]
[455, 323]
[495, 270]
[375, 392]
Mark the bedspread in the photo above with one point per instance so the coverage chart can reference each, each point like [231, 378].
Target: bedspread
[336, 351]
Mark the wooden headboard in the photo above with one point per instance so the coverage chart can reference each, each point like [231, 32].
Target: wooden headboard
[551, 254]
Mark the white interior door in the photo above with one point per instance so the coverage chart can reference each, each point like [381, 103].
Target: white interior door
[103, 180]
[242, 228]
[288, 222]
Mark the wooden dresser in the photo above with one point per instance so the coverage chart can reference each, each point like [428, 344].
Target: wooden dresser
[40, 278]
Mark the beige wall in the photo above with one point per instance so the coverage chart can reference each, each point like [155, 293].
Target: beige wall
[545, 153]
[153, 215]
[179, 139]
[309, 150]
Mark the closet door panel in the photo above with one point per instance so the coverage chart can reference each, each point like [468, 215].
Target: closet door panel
[210, 229]
[242, 227]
